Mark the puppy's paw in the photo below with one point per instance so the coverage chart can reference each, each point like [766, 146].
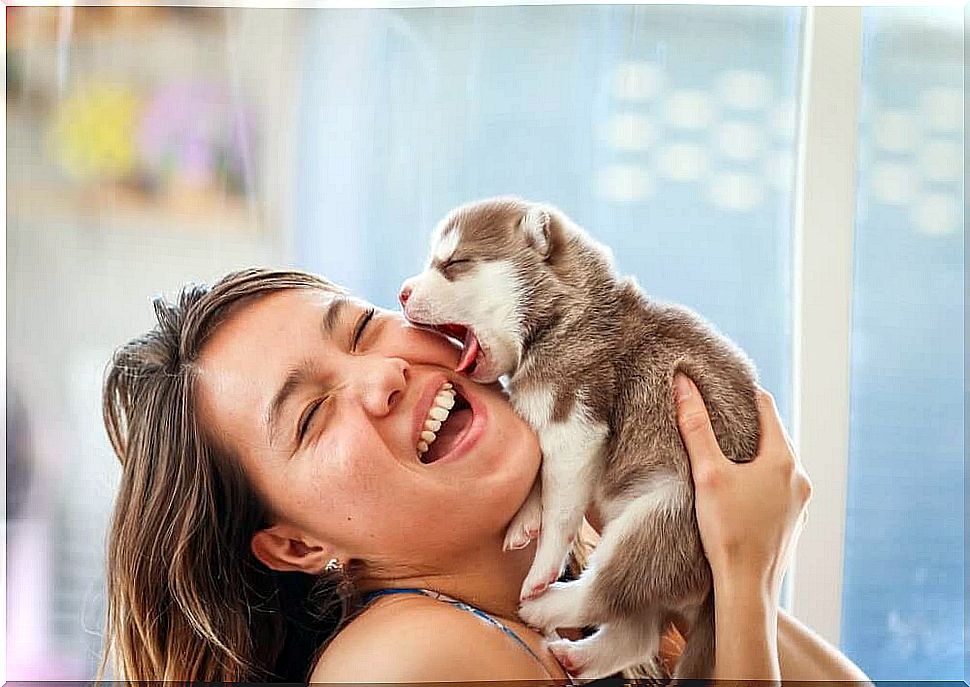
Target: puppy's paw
[569, 658]
[518, 539]
[521, 533]
[576, 659]
[563, 605]
[538, 581]
[587, 659]
[526, 524]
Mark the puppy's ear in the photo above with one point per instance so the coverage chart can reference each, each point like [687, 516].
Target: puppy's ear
[537, 227]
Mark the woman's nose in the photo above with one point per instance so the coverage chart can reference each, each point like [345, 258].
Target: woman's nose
[387, 382]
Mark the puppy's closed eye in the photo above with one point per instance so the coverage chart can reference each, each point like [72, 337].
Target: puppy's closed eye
[453, 267]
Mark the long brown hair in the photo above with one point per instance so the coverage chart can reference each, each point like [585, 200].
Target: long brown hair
[187, 600]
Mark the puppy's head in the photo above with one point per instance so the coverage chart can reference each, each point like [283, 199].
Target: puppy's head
[483, 281]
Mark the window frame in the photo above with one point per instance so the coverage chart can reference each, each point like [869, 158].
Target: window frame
[822, 260]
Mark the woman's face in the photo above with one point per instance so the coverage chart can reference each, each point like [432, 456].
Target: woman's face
[351, 482]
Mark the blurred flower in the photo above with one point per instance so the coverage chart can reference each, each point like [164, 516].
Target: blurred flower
[191, 133]
[92, 131]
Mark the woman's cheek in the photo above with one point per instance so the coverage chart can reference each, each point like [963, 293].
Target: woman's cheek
[519, 435]
[421, 346]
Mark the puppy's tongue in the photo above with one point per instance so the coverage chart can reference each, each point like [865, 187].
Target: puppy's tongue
[471, 350]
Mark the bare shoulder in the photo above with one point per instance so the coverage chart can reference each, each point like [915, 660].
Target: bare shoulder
[415, 639]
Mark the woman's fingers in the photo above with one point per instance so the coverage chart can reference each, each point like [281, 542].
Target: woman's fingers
[749, 515]
[774, 439]
[777, 446]
[695, 424]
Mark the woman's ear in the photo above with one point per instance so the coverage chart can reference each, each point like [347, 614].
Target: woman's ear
[282, 548]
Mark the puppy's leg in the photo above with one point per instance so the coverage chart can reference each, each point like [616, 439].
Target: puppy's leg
[525, 525]
[587, 600]
[571, 452]
[613, 647]
[733, 409]
[650, 554]
[697, 661]
[645, 560]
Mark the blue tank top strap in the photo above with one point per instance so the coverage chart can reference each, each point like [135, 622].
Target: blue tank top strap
[457, 604]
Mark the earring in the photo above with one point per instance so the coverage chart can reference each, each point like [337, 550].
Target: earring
[334, 565]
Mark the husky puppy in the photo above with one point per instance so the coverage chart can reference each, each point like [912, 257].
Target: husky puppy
[590, 361]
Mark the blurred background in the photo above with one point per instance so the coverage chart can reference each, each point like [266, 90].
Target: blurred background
[148, 147]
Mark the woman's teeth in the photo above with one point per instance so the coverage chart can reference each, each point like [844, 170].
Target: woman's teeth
[443, 403]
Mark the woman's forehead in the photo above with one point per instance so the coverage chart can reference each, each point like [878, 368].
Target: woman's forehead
[258, 342]
[265, 316]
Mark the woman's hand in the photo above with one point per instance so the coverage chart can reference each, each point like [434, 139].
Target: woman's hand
[749, 514]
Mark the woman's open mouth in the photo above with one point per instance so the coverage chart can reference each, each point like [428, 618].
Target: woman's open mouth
[448, 420]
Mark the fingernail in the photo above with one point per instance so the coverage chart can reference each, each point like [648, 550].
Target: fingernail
[681, 387]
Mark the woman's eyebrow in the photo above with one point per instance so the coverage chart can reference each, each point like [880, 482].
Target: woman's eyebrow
[295, 378]
[332, 314]
[298, 375]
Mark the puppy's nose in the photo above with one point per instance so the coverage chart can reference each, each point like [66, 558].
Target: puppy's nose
[405, 294]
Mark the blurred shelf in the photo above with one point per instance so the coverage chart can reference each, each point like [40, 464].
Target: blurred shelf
[114, 207]
[38, 27]
[51, 52]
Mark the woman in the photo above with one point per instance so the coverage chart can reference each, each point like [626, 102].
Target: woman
[268, 430]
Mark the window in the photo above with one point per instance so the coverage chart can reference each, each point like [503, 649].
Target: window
[904, 579]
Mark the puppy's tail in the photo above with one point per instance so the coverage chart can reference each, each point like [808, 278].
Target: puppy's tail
[697, 661]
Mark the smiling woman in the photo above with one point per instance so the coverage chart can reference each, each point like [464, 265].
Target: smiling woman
[287, 450]
[271, 423]
[347, 444]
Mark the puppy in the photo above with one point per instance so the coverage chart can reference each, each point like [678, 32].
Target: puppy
[590, 361]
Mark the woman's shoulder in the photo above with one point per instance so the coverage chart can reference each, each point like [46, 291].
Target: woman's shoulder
[417, 639]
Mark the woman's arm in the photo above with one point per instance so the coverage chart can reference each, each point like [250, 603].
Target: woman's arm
[749, 516]
[745, 633]
[806, 656]
[802, 654]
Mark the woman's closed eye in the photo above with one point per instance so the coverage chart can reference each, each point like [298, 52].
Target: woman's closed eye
[308, 416]
[361, 325]
[311, 410]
